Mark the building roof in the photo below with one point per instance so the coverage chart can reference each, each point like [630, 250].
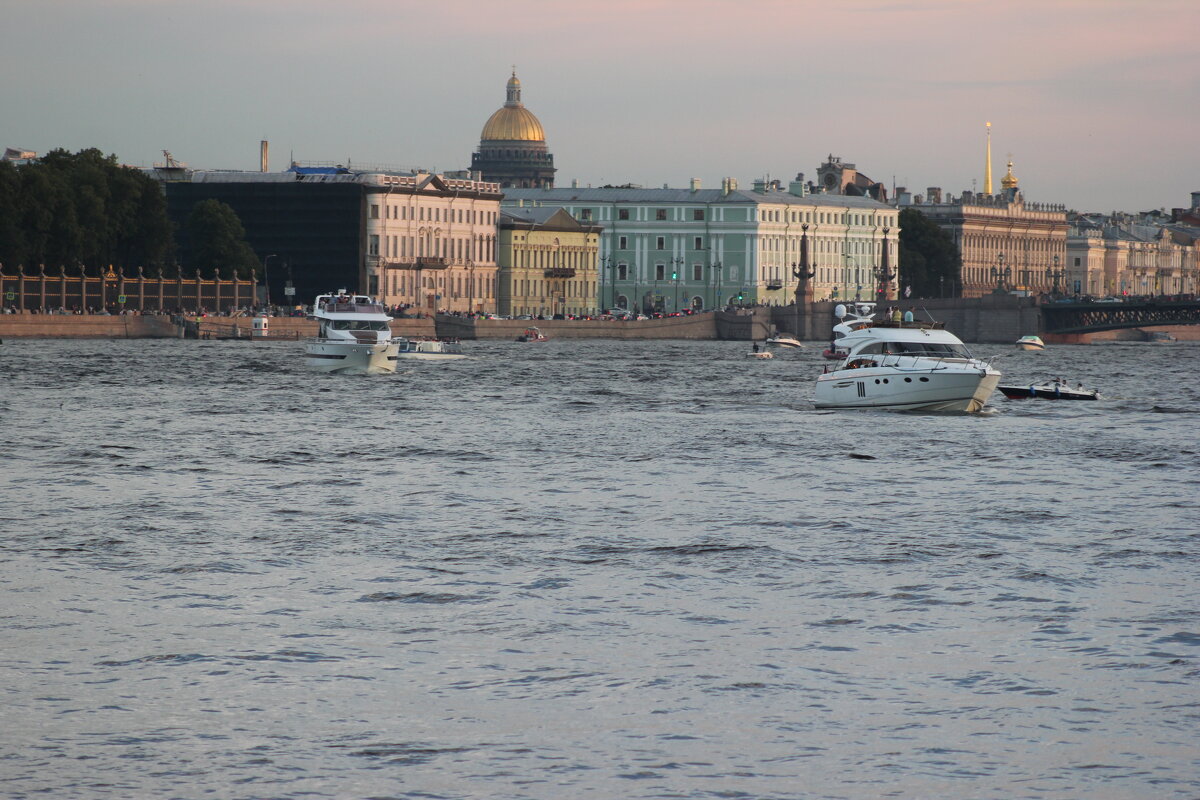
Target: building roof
[547, 217]
[683, 196]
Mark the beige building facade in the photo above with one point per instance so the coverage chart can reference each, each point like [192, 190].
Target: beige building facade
[431, 241]
[1124, 257]
[548, 263]
[1006, 243]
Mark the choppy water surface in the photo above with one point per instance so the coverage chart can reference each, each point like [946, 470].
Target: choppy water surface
[591, 569]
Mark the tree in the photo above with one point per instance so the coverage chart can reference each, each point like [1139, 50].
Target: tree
[68, 209]
[218, 240]
[929, 261]
[12, 238]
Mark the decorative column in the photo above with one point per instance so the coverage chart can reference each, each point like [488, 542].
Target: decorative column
[804, 275]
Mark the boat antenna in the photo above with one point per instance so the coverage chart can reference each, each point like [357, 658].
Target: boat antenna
[926, 310]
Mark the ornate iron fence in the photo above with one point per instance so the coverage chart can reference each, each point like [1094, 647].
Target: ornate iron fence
[114, 292]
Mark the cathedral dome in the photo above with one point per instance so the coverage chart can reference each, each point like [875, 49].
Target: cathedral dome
[513, 122]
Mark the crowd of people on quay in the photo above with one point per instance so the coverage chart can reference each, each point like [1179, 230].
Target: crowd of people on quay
[409, 311]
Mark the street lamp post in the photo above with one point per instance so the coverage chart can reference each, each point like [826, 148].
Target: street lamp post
[1001, 275]
[266, 280]
[850, 267]
[716, 268]
[678, 262]
[1054, 275]
[884, 274]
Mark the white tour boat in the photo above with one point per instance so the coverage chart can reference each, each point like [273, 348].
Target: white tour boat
[355, 336]
[902, 365]
[1031, 343]
[430, 349]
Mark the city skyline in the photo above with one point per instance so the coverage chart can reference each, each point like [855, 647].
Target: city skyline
[1091, 100]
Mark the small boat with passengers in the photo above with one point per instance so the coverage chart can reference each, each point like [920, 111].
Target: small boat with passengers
[532, 335]
[354, 336]
[1057, 389]
[909, 366]
[430, 349]
[1031, 343]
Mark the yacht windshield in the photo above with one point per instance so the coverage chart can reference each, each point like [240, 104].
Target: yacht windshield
[359, 325]
[929, 349]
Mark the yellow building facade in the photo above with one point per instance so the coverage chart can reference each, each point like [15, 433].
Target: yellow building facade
[547, 262]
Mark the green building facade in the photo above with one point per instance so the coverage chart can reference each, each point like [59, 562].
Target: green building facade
[671, 249]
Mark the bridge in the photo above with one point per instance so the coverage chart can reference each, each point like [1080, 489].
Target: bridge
[1091, 317]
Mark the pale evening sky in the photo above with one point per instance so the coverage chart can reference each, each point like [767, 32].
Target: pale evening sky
[1095, 100]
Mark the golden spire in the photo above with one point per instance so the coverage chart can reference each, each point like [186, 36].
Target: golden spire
[987, 169]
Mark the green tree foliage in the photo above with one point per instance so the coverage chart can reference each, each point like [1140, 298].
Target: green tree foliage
[68, 209]
[929, 261]
[219, 240]
[12, 237]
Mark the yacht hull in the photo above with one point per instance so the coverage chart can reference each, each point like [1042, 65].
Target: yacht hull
[964, 390]
[351, 358]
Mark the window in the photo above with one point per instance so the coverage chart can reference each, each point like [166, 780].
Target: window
[660, 272]
[622, 272]
[661, 243]
[698, 214]
[374, 211]
[623, 243]
[1077, 261]
[585, 214]
[699, 243]
[660, 213]
[374, 244]
[697, 272]
[622, 213]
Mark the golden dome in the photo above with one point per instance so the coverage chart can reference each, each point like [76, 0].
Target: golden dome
[513, 122]
[1009, 181]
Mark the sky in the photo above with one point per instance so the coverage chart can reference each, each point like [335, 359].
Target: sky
[1097, 102]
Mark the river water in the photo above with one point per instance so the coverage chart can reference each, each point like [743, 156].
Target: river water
[591, 569]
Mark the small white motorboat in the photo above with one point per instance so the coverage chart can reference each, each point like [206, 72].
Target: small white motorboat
[783, 340]
[354, 336]
[1031, 343]
[1057, 389]
[430, 349]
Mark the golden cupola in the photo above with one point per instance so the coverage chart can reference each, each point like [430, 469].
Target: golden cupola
[513, 122]
[1009, 181]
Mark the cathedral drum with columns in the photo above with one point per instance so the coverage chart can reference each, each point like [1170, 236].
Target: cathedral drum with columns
[512, 147]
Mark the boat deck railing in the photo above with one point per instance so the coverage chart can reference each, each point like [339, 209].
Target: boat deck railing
[353, 308]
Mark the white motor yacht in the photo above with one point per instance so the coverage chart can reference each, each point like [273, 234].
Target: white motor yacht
[355, 336]
[902, 365]
[430, 349]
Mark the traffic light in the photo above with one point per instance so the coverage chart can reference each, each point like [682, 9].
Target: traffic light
[739, 297]
[674, 275]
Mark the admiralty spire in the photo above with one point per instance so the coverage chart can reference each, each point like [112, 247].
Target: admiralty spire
[512, 148]
[987, 167]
